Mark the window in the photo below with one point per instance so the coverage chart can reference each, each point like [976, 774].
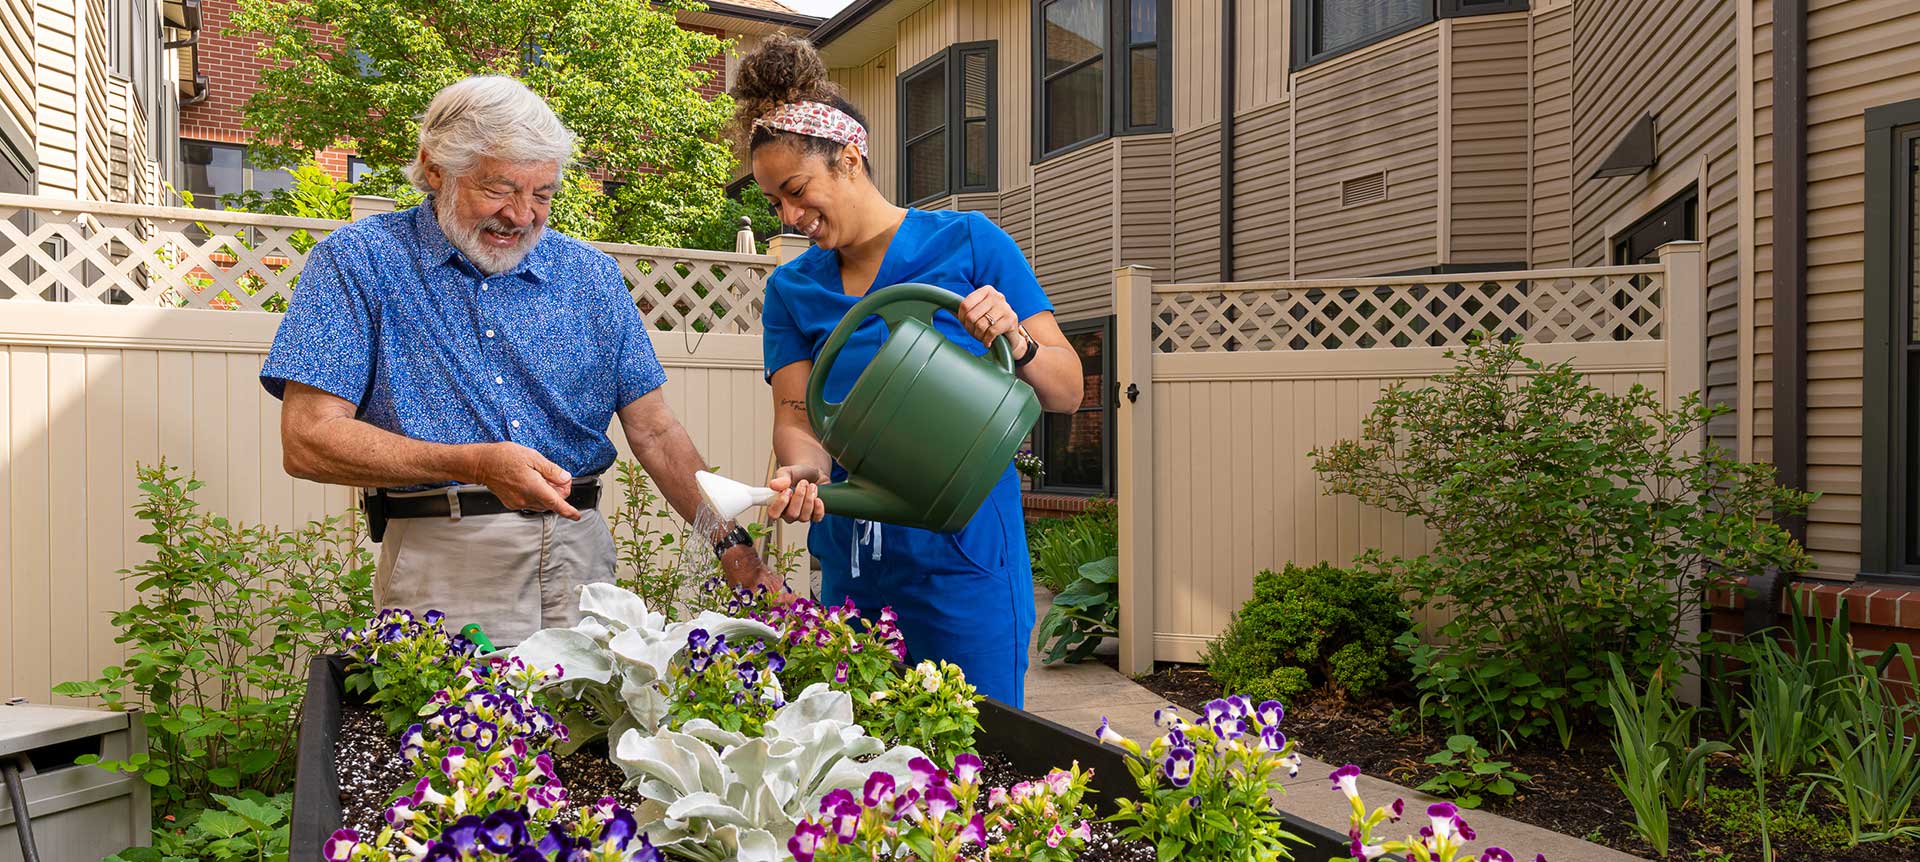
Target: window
[358, 169]
[1100, 68]
[948, 141]
[1077, 447]
[1890, 478]
[214, 170]
[1675, 220]
[1329, 28]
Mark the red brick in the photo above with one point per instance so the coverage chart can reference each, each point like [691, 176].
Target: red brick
[1908, 616]
[1884, 609]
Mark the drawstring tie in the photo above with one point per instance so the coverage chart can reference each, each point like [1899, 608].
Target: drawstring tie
[865, 532]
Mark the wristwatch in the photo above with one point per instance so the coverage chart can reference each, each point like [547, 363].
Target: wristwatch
[736, 536]
[1033, 348]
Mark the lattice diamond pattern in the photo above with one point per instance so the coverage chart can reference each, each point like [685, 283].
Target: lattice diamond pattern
[1604, 307]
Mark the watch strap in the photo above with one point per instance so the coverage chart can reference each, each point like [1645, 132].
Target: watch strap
[736, 536]
[1033, 349]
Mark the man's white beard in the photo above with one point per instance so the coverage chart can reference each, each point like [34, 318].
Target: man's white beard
[466, 237]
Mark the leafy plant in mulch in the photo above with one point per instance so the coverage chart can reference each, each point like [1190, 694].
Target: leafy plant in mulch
[1309, 626]
[246, 827]
[218, 642]
[1084, 614]
[1570, 522]
[1472, 775]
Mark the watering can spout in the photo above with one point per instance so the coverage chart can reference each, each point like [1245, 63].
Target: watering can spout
[853, 498]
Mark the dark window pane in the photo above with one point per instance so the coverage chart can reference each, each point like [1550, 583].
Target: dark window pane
[1342, 23]
[973, 85]
[358, 169]
[267, 182]
[1075, 106]
[1091, 345]
[927, 167]
[1143, 25]
[1075, 449]
[926, 102]
[1143, 87]
[212, 170]
[1075, 30]
[976, 168]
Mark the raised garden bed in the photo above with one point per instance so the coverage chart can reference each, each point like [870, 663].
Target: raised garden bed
[1026, 742]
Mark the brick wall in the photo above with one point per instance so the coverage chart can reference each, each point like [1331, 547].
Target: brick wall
[233, 68]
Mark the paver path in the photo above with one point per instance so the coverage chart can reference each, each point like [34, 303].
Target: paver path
[1079, 695]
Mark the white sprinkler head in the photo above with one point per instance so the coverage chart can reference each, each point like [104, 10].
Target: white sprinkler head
[729, 498]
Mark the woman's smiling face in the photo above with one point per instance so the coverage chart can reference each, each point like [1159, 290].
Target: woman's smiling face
[807, 192]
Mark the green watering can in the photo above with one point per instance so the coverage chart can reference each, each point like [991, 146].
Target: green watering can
[925, 432]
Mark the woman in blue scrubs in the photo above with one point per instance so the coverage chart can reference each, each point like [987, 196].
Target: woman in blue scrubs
[965, 597]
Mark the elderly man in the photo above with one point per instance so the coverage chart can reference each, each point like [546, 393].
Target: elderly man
[462, 363]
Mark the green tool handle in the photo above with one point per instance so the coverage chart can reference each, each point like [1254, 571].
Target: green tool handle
[895, 305]
[482, 646]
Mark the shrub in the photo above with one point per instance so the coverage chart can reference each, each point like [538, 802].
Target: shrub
[1084, 614]
[1309, 626]
[1571, 523]
[228, 618]
[244, 828]
[1060, 546]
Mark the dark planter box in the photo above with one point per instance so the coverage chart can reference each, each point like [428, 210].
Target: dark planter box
[1032, 743]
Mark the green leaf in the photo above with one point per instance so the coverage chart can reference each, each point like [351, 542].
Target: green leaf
[224, 777]
[157, 777]
[222, 824]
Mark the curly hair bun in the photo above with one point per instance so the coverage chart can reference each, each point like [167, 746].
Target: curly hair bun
[782, 69]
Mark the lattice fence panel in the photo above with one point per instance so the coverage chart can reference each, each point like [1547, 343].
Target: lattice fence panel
[1618, 306]
[688, 293]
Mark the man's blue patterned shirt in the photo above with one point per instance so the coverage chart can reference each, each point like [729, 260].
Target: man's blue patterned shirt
[390, 316]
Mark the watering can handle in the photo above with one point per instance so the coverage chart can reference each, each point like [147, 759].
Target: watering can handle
[895, 305]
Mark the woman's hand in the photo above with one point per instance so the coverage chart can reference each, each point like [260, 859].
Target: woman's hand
[799, 495]
[986, 315]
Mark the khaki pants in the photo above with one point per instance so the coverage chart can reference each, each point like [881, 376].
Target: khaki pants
[513, 574]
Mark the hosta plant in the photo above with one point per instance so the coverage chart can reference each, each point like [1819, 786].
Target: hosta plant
[714, 795]
[612, 670]
[932, 708]
[398, 660]
[1206, 788]
[605, 833]
[1442, 839]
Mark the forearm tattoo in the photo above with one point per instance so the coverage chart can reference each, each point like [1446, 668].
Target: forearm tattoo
[796, 404]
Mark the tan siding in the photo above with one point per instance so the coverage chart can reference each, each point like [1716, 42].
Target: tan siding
[871, 89]
[1016, 217]
[1196, 212]
[927, 32]
[1262, 247]
[987, 203]
[1372, 111]
[1196, 64]
[1552, 106]
[16, 63]
[98, 143]
[1763, 243]
[1262, 51]
[1144, 190]
[1488, 219]
[1074, 229]
[57, 97]
[1015, 94]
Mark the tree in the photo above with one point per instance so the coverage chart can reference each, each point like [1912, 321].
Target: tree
[621, 73]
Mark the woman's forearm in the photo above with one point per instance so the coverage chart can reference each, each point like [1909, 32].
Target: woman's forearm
[795, 446]
[1056, 378]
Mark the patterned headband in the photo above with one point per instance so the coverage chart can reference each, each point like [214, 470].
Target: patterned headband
[819, 120]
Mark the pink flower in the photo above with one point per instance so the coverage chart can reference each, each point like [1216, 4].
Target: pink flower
[879, 790]
[966, 768]
[340, 847]
[975, 831]
[1058, 781]
[1056, 835]
[997, 798]
[922, 772]
[1084, 831]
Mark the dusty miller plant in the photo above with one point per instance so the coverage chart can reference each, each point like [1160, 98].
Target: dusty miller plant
[218, 643]
[1572, 523]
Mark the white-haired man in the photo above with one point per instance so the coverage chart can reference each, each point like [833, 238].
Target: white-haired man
[463, 363]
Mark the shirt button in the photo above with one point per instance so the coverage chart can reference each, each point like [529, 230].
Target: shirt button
[499, 380]
[489, 333]
[483, 285]
[516, 423]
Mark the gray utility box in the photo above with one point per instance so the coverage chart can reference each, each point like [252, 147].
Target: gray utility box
[77, 812]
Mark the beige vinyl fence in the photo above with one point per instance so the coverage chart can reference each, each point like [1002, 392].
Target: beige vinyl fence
[1226, 387]
[139, 363]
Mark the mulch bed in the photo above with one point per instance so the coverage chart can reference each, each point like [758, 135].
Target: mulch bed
[1571, 791]
[371, 770]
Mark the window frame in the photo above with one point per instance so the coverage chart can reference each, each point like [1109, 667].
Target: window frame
[1305, 14]
[247, 168]
[950, 62]
[1117, 82]
[353, 160]
[1109, 456]
[1617, 243]
[1890, 420]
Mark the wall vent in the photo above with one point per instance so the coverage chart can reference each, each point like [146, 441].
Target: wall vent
[1363, 190]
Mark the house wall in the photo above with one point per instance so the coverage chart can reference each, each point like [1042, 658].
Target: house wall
[1550, 151]
[59, 53]
[870, 88]
[1488, 106]
[17, 66]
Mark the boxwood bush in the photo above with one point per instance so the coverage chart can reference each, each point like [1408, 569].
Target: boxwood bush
[1308, 627]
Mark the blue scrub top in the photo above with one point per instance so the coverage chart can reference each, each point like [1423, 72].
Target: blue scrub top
[964, 597]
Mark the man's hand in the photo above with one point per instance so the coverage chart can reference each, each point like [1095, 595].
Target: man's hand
[523, 478]
[744, 568]
[799, 497]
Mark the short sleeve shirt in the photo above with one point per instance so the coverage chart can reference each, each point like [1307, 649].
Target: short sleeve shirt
[390, 316]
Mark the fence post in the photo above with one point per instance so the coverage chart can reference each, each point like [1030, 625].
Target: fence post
[362, 206]
[1684, 301]
[787, 246]
[1133, 427]
[743, 238]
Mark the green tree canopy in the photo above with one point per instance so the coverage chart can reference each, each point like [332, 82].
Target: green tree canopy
[621, 73]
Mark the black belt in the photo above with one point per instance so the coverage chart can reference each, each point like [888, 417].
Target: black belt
[382, 506]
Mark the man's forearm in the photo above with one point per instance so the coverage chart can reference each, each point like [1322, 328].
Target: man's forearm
[670, 459]
[347, 451]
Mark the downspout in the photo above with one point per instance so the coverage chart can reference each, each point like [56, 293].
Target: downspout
[1789, 283]
[1229, 11]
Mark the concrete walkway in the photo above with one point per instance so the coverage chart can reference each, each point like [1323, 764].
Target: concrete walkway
[1079, 695]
